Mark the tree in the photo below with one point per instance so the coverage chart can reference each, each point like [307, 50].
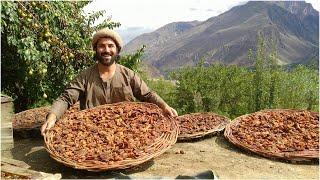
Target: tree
[132, 61]
[44, 45]
[232, 91]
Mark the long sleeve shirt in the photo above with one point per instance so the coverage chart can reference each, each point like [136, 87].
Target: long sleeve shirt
[91, 91]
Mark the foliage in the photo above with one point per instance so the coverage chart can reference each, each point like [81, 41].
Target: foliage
[132, 61]
[234, 91]
[164, 88]
[44, 45]
[231, 90]
[217, 88]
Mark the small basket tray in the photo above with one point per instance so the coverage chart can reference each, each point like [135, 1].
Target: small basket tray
[120, 115]
[275, 150]
[30, 119]
[217, 123]
[35, 118]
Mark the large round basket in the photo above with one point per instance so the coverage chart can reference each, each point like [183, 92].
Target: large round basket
[277, 133]
[111, 136]
[197, 125]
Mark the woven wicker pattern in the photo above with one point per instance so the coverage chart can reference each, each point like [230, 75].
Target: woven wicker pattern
[197, 125]
[35, 118]
[277, 133]
[115, 136]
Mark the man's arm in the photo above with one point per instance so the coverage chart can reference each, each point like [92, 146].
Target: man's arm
[142, 92]
[69, 97]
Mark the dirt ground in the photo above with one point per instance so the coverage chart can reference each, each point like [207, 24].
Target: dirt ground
[212, 153]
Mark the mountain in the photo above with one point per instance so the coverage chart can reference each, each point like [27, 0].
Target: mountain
[159, 38]
[292, 26]
[130, 33]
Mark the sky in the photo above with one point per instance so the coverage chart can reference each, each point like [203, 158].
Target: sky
[141, 16]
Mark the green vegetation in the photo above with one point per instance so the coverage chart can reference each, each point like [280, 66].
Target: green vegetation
[44, 45]
[234, 91]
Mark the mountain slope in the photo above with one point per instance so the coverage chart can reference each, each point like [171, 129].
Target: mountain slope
[292, 26]
[159, 38]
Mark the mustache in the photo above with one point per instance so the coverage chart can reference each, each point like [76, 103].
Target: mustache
[116, 57]
[102, 54]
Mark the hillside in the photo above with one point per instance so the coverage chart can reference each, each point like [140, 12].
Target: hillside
[292, 26]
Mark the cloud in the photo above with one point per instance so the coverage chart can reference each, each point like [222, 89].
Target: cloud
[315, 4]
[157, 13]
[193, 9]
[134, 28]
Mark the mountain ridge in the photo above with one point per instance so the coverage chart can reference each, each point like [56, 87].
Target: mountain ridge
[226, 38]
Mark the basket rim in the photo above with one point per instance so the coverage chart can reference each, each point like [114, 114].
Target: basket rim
[162, 143]
[305, 155]
[212, 131]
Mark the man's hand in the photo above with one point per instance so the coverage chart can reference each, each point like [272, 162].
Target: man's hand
[170, 111]
[51, 120]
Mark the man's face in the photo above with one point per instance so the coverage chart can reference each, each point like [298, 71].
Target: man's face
[106, 51]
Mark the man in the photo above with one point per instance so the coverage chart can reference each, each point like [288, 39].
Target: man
[105, 82]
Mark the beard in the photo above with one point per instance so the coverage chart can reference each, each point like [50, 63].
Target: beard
[104, 61]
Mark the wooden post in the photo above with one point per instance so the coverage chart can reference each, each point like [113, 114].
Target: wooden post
[6, 122]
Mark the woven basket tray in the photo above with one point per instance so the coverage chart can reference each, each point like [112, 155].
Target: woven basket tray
[198, 133]
[30, 119]
[158, 146]
[291, 154]
[35, 118]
